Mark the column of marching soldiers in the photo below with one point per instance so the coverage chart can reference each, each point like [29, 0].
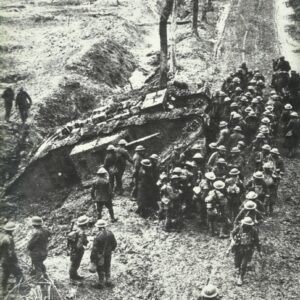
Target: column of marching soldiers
[217, 191]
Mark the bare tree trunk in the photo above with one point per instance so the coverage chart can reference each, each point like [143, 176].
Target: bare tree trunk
[163, 34]
[173, 37]
[195, 9]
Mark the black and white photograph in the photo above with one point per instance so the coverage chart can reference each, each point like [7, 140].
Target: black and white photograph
[149, 150]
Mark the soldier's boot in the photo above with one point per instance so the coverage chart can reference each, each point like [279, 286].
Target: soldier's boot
[239, 280]
[108, 281]
[112, 216]
[100, 284]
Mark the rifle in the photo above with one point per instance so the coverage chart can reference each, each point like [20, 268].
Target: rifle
[70, 238]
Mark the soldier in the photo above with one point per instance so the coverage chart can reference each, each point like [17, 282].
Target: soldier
[277, 161]
[234, 194]
[122, 157]
[206, 185]
[198, 159]
[137, 158]
[294, 82]
[249, 210]
[145, 191]
[286, 115]
[220, 170]
[271, 182]
[224, 134]
[155, 176]
[236, 160]
[282, 65]
[209, 292]
[103, 246]
[38, 247]
[102, 194]
[23, 102]
[78, 242]
[244, 240]
[220, 153]
[173, 202]
[258, 185]
[222, 202]
[235, 137]
[8, 257]
[8, 96]
[110, 164]
[292, 135]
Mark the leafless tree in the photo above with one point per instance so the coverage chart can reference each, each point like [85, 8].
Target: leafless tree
[163, 34]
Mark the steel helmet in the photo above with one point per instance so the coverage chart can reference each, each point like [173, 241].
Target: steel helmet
[233, 104]
[258, 175]
[250, 205]
[154, 156]
[275, 151]
[101, 170]
[101, 223]
[223, 124]
[260, 136]
[251, 196]
[219, 185]
[139, 148]
[247, 221]
[236, 116]
[210, 176]
[266, 147]
[110, 148]
[221, 148]
[294, 114]
[9, 226]
[146, 163]
[177, 170]
[237, 128]
[227, 99]
[236, 80]
[235, 150]
[198, 156]
[221, 161]
[288, 106]
[82, 220]
[209, 291]
[234, 172]
[36, 221]
[213, 145]
[265, 120]
[122, 142]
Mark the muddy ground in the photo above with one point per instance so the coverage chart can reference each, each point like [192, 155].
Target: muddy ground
[148, 263]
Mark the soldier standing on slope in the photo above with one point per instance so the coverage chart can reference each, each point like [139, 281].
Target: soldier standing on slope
[38, 247]
[23, 102]
[122, 157]
[103, 245]
[8, 96]
[78, 241]
[244, 240]
[8, 257]
[102, 194]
